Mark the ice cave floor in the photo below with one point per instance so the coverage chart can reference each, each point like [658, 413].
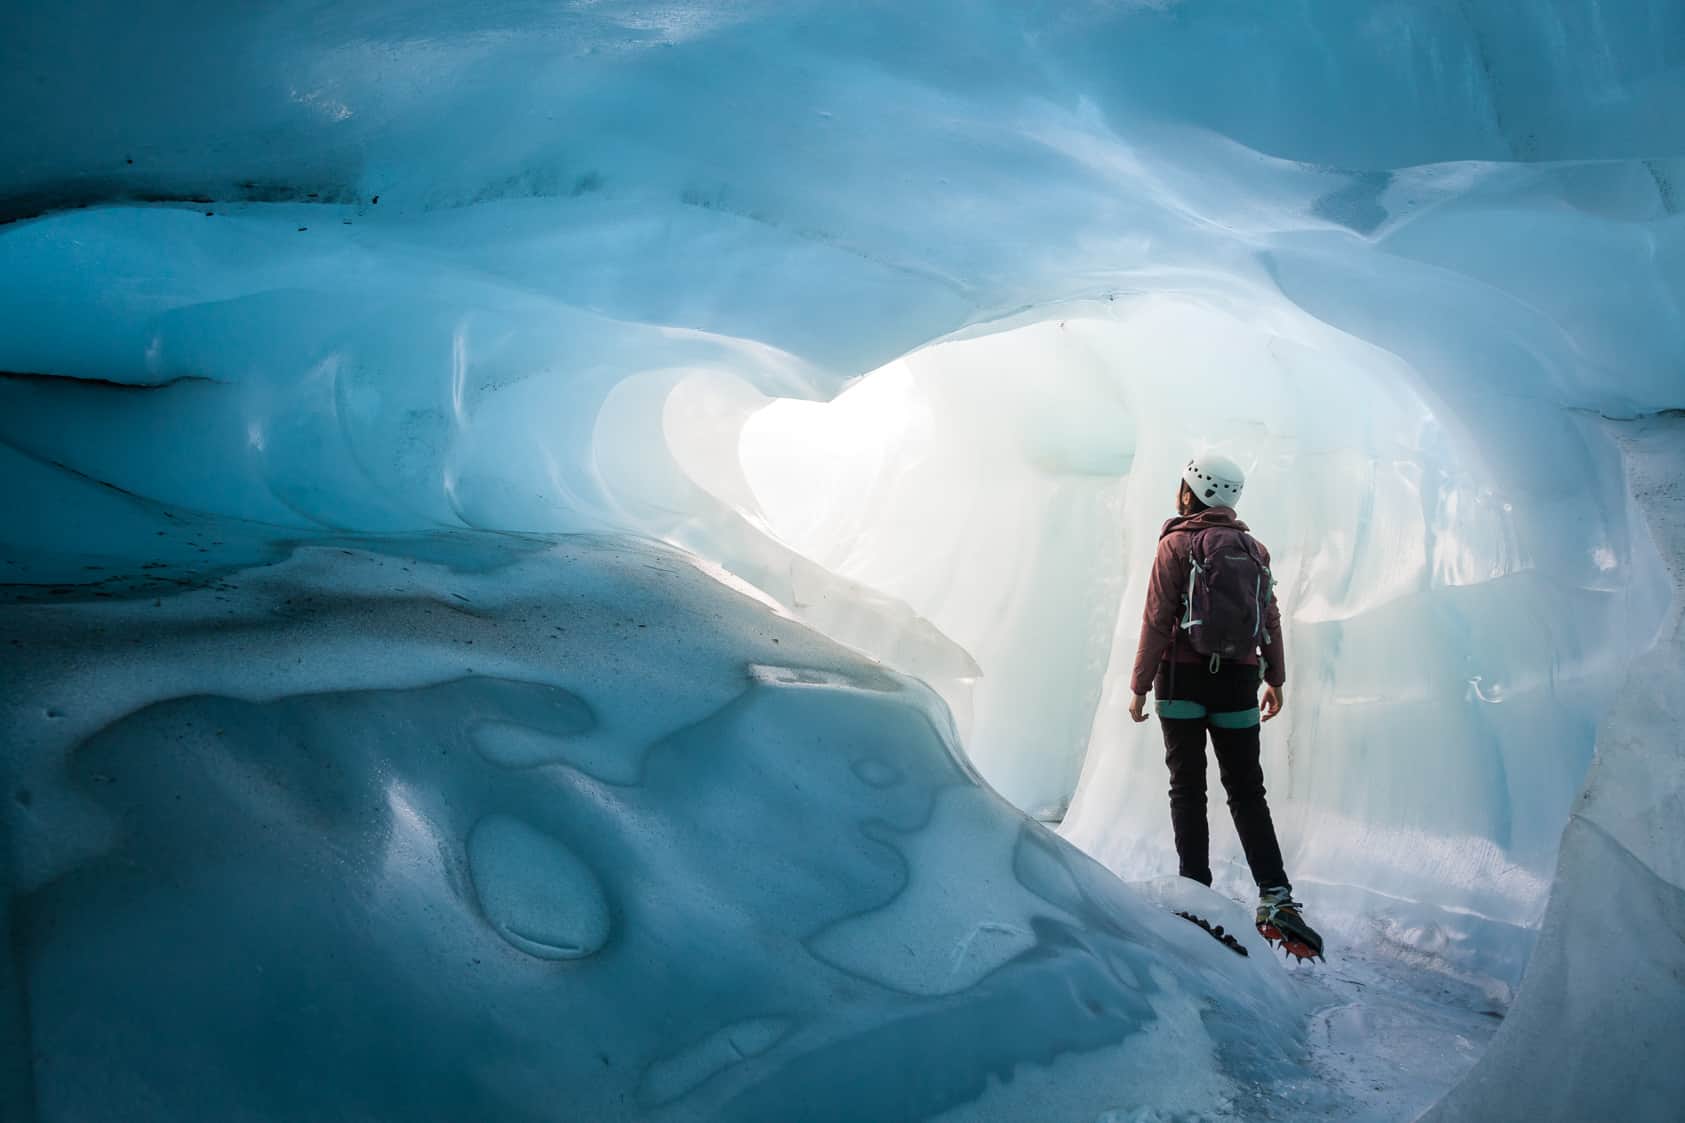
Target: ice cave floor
[1385, 1040]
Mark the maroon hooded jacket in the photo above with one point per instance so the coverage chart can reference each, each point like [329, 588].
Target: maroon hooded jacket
[1164, 604]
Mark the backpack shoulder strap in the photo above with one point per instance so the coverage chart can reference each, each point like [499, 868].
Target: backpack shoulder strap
[1194, 570]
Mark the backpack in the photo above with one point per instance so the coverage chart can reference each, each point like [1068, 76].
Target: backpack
[1229, 587]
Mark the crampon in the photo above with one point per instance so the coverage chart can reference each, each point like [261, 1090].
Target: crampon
[1290, 945]
[1281, 925]
[1225, 938]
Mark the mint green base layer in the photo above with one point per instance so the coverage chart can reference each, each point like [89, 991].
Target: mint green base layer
[1178, 709]
[1236, 719]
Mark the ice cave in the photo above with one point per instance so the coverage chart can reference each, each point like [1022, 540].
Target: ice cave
[579, 561]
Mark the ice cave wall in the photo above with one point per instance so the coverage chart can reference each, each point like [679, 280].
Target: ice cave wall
[413, 267]
[1597, 1020]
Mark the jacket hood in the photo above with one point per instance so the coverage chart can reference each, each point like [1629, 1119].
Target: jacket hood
[1211, 516]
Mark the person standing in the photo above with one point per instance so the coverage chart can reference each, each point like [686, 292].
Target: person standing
[1210, 635]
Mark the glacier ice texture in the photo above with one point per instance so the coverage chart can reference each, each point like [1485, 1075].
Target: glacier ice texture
[1596, 1029]
[451, 829]
[348, 336]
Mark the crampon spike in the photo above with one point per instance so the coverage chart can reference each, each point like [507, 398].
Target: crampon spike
[1290, 947]
[1299, 950]
[1217, 933]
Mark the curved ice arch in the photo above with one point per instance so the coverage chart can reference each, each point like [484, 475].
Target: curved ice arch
[441, 405]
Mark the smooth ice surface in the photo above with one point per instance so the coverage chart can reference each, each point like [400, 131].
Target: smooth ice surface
[1612, 947]
[899, 318]
[767, 882]
[536, 893]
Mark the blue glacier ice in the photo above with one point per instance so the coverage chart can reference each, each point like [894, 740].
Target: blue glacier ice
[580, 560]
[451, 829]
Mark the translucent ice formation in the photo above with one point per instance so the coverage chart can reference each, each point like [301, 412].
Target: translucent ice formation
[899, 318]
[1597, 1024]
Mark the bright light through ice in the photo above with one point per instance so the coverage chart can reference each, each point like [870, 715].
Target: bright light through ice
[809, 462]
[1009, 489]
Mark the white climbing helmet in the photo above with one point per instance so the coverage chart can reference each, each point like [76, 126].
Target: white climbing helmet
[1215, 480]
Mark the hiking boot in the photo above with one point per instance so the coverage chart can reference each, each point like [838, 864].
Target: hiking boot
[1279, 922]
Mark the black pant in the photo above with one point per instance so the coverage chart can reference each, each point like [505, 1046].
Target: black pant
[1225, 696]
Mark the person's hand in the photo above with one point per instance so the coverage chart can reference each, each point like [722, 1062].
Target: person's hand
[1272, 702]
[1138, 707]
